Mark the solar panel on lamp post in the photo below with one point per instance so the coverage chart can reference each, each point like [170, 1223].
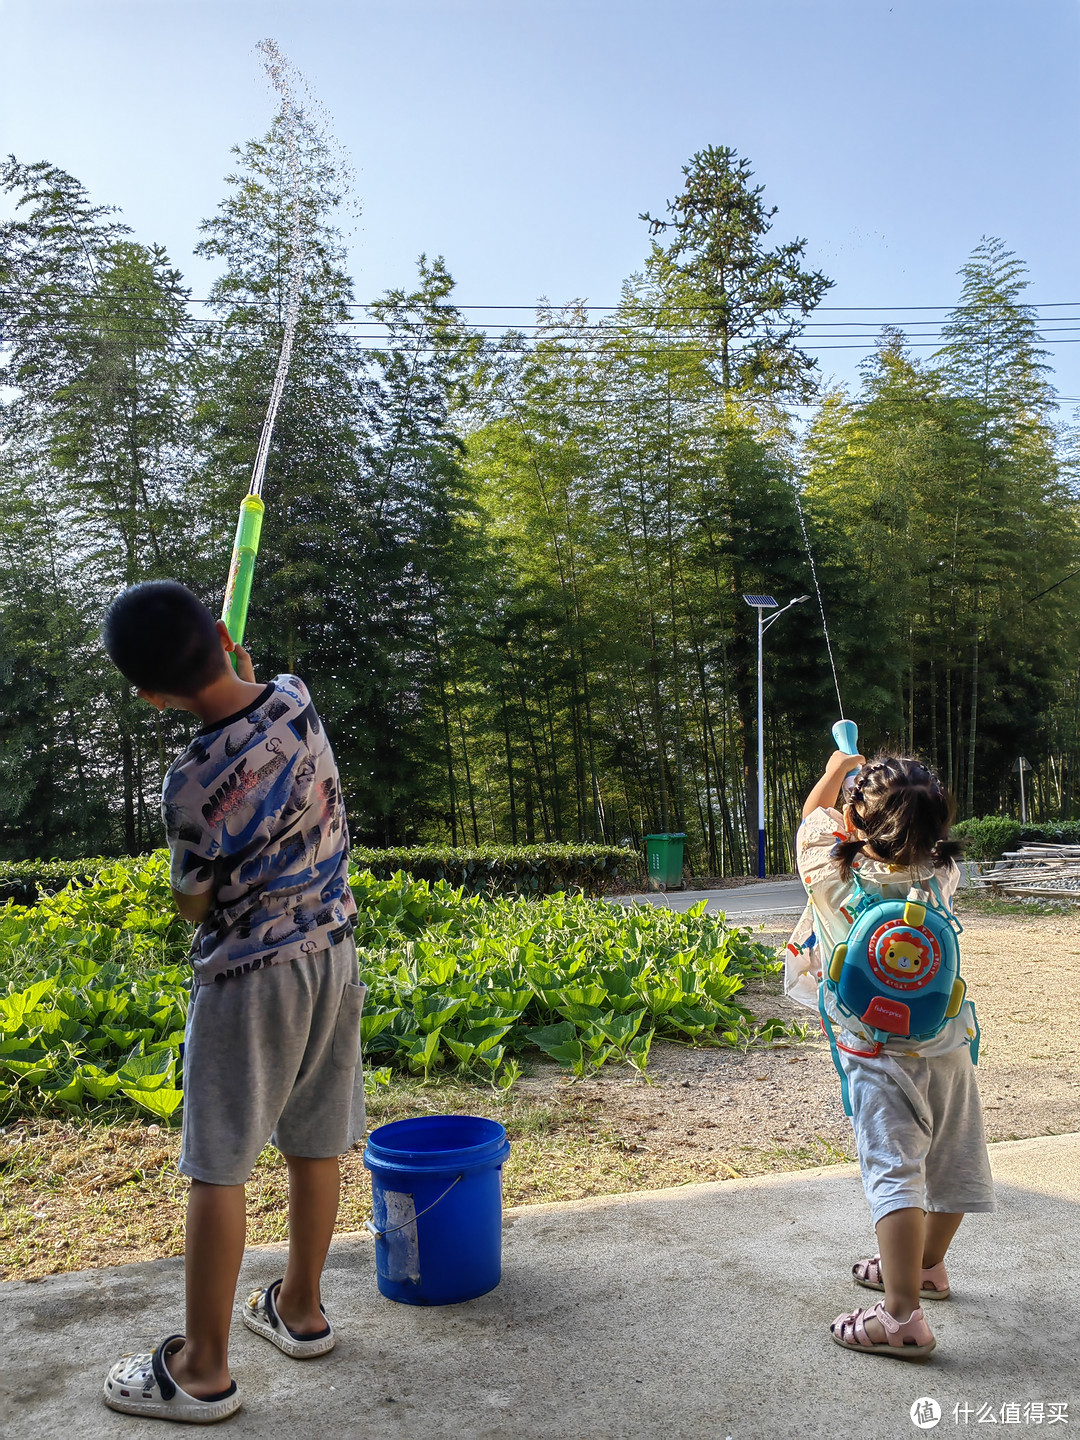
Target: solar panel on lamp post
[761, 603]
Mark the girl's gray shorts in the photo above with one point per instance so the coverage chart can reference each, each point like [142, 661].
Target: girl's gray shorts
[919, 1129]
[273, 1055]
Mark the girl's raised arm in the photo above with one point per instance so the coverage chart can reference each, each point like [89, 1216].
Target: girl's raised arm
[827, 790]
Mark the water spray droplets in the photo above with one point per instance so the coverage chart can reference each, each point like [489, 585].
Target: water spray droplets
[280, 73]
[295, 91]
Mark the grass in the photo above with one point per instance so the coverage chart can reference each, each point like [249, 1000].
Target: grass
[79, 1193]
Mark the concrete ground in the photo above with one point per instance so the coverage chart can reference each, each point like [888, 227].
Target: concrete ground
[681, 1314]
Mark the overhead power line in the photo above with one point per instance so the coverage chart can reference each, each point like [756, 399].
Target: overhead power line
[554, 307]
[368, 329]
[535, 305]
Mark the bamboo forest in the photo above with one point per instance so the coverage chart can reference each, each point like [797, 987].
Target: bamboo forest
[510, 564]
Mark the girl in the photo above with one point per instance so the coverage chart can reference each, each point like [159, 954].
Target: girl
[916, 1112]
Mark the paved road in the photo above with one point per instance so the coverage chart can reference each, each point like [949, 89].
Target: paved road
[749, 902]
[770, 897]
[690, 1314]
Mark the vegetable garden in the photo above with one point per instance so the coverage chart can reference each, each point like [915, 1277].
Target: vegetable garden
[94, 980]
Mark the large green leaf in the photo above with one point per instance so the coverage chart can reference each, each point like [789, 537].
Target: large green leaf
[15, 1008]
[547, 1036]
[161, 1102]
[373, 1023]
[145, 1072]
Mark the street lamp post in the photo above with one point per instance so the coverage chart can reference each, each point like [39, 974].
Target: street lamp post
[1022, 764]
[761, 603]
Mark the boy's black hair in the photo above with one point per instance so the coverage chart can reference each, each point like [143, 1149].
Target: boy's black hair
[904, 811]
[163, 638]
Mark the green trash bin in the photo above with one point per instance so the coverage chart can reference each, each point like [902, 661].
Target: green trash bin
[664, 857]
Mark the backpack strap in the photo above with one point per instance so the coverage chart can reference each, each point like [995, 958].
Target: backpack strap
[860, 896]
[944, 906]
[947, 910]
[830, 1035]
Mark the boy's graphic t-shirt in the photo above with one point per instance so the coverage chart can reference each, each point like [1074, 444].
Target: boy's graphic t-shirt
[824, 924]
[254, 814]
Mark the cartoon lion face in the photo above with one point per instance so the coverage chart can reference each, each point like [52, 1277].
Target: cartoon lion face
[907, 956]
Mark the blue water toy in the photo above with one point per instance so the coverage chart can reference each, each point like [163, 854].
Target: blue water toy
[845, 733]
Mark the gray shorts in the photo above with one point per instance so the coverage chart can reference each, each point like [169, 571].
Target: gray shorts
[919, 1130]
[273, 1055]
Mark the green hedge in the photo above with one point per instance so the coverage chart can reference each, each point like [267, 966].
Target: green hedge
[511, 869]
[487, 870]
[1053, 832]
[990, 836]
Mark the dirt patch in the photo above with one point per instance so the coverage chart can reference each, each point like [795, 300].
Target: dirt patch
[1023, 973]
[78, 1195]
[780, 1108]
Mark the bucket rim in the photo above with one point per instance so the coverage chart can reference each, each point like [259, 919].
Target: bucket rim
[386, 1156]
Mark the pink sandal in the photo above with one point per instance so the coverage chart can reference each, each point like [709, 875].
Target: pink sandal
[934, 1284]
[905, 1339]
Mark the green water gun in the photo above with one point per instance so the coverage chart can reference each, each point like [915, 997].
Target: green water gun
[242, 569]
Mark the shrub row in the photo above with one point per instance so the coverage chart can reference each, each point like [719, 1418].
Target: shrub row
[1053, 832]
[486, 870]
[991, 835]
[511, 869]
[987, 837]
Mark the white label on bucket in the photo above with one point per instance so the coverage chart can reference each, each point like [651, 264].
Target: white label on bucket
[402, 1249]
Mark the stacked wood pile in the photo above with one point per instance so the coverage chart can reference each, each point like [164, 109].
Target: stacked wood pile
[1050, 872]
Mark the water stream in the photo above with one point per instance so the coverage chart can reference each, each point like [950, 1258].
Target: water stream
[280, 73]
[817, 591]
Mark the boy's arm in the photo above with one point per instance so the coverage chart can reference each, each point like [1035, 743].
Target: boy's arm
[826, 792]
[193, 907]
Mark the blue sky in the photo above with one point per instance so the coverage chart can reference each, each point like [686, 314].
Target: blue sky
[521, 138]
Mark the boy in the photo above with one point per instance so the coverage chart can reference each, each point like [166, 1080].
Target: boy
[259, 861]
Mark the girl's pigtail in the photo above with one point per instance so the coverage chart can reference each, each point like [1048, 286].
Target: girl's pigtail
[846, 852]
[945, 851]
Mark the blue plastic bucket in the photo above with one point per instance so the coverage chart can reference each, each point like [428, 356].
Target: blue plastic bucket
[436, 1188]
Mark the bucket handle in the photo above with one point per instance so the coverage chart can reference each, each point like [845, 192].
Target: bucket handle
[380, 1233]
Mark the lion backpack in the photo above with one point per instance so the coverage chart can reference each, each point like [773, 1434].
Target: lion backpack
[898, 972]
